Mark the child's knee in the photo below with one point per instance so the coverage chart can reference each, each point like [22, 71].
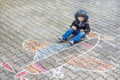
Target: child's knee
[70, 30]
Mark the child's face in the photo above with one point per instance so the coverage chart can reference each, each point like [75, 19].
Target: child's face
[81, 18]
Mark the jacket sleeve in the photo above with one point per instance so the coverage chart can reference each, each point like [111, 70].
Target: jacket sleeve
[87, 28]
[74, 23]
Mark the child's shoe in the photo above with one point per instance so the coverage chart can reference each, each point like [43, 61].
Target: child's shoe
[61, 39]
[71, 43]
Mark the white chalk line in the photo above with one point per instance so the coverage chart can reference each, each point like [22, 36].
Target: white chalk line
[114, 64]
[70, 59]
[51, 55]
[70, 55]
[84, 54]
[61, 50]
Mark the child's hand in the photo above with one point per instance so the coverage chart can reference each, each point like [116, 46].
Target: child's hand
[81, 30]
[74, 27]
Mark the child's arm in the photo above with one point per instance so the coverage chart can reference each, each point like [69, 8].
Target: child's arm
[74, 25]
[87, 28]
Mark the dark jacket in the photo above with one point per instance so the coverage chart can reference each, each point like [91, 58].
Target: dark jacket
[81, 25]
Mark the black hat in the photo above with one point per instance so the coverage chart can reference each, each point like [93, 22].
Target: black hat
[82, 13]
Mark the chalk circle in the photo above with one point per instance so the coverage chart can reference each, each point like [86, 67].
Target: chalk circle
[33, 45]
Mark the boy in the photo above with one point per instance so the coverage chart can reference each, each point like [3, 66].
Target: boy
[79, 28]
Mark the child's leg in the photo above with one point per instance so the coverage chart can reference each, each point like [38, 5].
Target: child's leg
[78, 37]
[67, 33]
